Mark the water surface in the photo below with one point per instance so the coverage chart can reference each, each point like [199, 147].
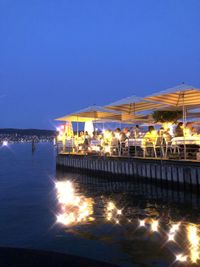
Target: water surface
[117, 221]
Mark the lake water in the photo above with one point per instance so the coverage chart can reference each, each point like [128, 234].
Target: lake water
[125, 223]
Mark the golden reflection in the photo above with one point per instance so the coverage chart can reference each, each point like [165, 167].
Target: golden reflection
[154, 226]
[74, 209]
[181, 258]
[193, 238]
[142, 223]
[77, 209]
[173, 230]
[112, 212]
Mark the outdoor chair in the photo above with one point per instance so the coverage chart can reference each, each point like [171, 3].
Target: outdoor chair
[69, 145]
[149, 147]
[114, 147]
[168, 148]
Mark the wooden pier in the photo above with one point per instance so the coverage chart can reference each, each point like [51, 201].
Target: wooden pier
[184, 173]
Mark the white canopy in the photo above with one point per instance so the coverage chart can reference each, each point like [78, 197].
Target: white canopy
[133, 104]
[181, 95]
[97, 113]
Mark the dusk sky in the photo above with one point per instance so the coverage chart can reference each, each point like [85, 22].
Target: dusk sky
[59, 56]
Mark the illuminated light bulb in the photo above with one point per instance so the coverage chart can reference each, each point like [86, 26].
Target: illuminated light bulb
[117, 221]
[142, 223]
[181, 258]
[5, 143]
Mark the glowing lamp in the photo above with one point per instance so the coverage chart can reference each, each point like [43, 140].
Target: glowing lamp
[5, 143]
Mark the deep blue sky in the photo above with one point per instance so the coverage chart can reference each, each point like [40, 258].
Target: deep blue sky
[58, 56]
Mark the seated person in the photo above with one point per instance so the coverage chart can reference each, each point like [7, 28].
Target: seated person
[94, 136]
[114, 140]
[150, 136]
[179, 130]
[136, 131]
[107, 138]
[124, 134]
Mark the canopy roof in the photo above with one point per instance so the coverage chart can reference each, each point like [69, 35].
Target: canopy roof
[91, 113]
[133, 104]
[181, 95]
[98, 114]
[74, 118]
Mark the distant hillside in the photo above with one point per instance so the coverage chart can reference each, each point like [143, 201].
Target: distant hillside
[22, 132]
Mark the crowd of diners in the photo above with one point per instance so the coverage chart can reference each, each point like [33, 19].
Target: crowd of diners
[116, 141]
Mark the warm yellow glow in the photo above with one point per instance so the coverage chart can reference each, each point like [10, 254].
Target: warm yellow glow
[171, 237]
[119, 212]
[111, 206]
[112, 213]
[181, 258]
[109, 216]
[75, 209]
[107, 149]
[154, 226]
[187, 132]
[95, 148]
[141, 223]
[172, 232]
[193, 239]
[107, 135]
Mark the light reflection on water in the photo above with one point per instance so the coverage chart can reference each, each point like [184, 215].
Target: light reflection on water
[116, 221]
[146, 235]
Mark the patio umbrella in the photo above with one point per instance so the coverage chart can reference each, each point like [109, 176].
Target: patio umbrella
[133, 104]
[185, 96]
[98, 113]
